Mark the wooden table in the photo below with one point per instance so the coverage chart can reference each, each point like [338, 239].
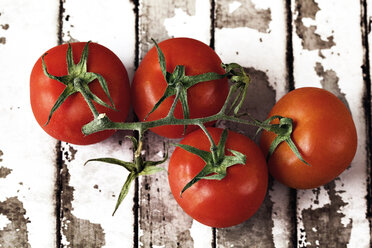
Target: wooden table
[49, 199]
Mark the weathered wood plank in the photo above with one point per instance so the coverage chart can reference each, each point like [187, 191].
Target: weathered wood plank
[89, 196]
[172, 18]
[328, 53]
[27, 154]
[367, 42]
[89, 193]
[253, 34]
[162, 222]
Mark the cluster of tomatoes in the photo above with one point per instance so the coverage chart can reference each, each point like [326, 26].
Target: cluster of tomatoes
[324, 132]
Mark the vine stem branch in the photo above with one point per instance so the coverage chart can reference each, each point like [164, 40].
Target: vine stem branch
[104, 123]
[213, 144]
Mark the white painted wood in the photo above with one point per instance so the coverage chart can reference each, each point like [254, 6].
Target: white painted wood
[200, 234]
[253, 34]
[26, 150]
[96, 188]
[196, 25]
[110, 23]
[281, 215]
[97, 185]
[162, 222]
[336, 27]
[28, 155]
[255, 45]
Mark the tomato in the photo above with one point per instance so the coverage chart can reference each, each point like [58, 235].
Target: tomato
[74, 113]
[219, 203]
[204, 99]
[324, 133]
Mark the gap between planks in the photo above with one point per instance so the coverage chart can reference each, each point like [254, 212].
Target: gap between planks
[367, 102]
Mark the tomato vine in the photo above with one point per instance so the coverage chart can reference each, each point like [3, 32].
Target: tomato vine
[178, 84]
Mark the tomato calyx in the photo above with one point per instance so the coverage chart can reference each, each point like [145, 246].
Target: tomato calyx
[283, 130]
[77, 80]
[178, 83]
[138, 167]
[216, 162]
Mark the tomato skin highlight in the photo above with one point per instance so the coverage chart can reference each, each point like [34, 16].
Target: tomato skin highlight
[74, 113]
[324, 133]
[204, 99]
[223, 203]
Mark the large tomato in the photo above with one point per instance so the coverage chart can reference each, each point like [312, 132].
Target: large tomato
[204, 99]
[229, 201]
[324, 133]
[74, 113]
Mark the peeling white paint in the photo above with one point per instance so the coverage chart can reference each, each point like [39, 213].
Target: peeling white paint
[262, 4]
[64, 241]
[308, 22]
[345, 58]
[97, 206]
[310, 200]
[110, 23]
[302, 240]
[201, 234]
[252, 48]
[234, 6]
[160, 154]
[279, 195]
[140, 234]
[113, 26]
[184, 25]
[264, 52]
[4, 221]
[29, 152]
[327, 17]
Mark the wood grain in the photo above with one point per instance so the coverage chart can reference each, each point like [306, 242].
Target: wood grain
[162, 222]
[254, 35]
[89, 193]
[49, 199]
[366, 14]
[328, 54]
[27, 154]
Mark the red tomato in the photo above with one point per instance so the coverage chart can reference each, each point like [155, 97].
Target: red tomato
[324, 133]
[229, 201]
[149, 85]
[74, 113]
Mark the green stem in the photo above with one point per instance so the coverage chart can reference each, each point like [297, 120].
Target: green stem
[138, 156]
[213, 145]
[104, 123]
[229, 95]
